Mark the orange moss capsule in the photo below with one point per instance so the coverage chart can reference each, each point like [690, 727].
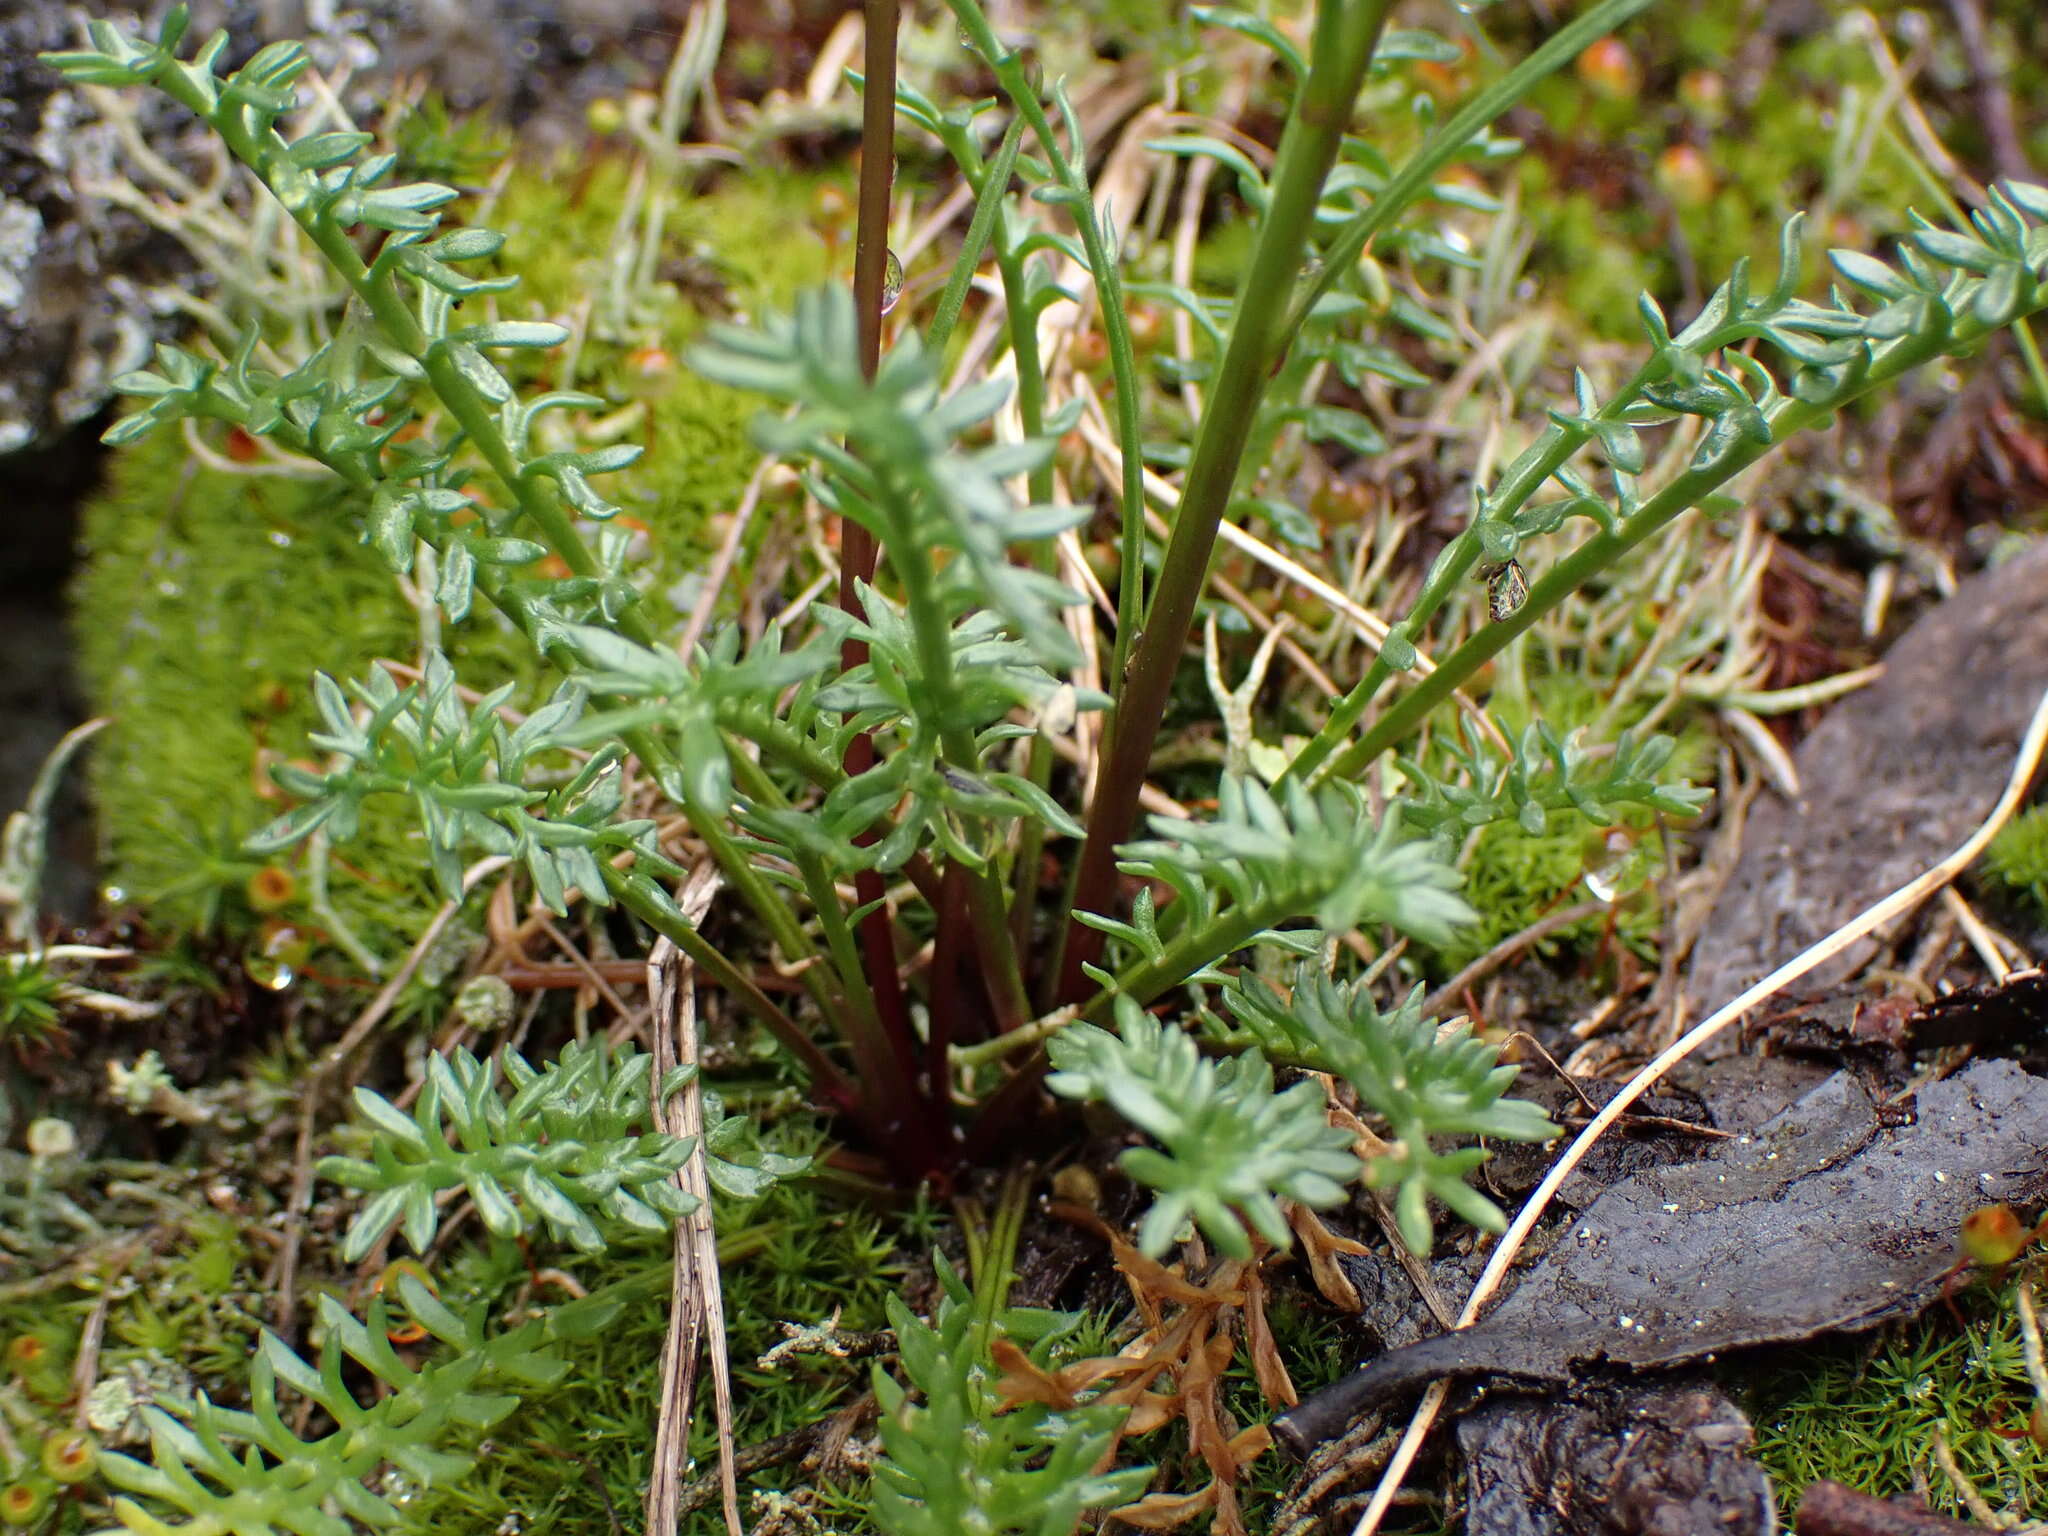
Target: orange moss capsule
[270, 888]
[268, 697]
[1993, 1236]
[831, 208]
[68, 1456]
[1705, 94]
[406, 1330]
[651, 362]
[1684, 176]
[1610, 70]
[23, 1503]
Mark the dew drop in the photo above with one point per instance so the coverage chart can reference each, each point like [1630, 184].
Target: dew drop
[272, 961]
[267, 971]
[892, 283]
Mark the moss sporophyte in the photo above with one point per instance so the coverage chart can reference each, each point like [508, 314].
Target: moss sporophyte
[876, 778]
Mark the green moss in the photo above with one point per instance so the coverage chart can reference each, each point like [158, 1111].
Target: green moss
[793, 1256]
[2018, 858]
[207, 599]
[1514, 878]
[204, 603]
[1866, 1416]
[1607, 230]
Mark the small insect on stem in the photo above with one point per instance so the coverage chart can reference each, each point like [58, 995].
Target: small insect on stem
[1507, 588]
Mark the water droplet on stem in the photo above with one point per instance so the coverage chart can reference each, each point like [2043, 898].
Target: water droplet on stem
[892, 283]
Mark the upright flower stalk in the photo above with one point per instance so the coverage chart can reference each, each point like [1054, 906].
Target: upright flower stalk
[1346, 34]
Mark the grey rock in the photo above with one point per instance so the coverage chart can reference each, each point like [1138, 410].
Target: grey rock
[81, 282]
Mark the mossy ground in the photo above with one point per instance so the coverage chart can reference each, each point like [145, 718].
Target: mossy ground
[575, 1454]
[1865, 1412]
[207, 599]
[2017, 861]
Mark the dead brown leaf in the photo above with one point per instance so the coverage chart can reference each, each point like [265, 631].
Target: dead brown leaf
[1320, 1246]
[1267, 1368]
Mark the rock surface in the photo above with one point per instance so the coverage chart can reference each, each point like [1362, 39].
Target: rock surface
[75, 308]
[80, 280]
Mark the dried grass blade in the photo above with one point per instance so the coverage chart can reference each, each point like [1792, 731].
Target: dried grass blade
[696, 1303]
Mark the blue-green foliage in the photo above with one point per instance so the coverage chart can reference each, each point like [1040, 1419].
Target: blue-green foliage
[1425, 1082]
[955, 1462]
[561, 1152]
[1232, 1145]
[250, 1474]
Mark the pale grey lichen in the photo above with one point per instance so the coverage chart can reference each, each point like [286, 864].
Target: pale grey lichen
[21, 236]
[118, 339]
[485, 1003]
[113, 1408]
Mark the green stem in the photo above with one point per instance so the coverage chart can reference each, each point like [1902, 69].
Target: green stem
[1449, 141]
[825, 1076]
[884, 1058]
[996, 1270]
[1787, 418]
[1023, 327]
[379, 294]
[994, 184]
[1070, 171]
[781, 923]
[2030, 353]
[1141, 982]
[1189, 953]
[874, 1060]
[935, 662]
[1346, 36]
[1524, 477]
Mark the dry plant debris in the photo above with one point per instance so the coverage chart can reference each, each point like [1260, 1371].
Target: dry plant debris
[1171, 1371]
[1821, 1220]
